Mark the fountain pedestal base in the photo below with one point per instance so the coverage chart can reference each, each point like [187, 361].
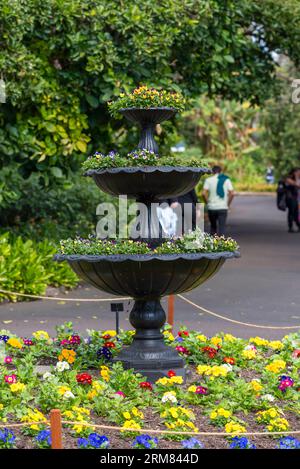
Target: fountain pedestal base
[148, 354]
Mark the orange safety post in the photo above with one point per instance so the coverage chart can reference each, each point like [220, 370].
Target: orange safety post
[171, 310]
[56, 431]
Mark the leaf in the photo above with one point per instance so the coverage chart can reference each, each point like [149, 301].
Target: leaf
[92, 100]
[81, 145]
[57, 172]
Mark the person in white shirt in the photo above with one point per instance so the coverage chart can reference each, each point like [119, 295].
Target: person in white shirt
[218, 194]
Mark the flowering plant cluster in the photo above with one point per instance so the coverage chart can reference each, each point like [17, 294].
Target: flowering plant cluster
[225, 390]
[144, 97]
[195, 241]
[139, 157]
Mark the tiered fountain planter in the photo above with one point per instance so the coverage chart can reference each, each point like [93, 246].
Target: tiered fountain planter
[148, 277]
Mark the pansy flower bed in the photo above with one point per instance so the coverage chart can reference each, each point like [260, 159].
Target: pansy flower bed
[137, 158]
[233, 386]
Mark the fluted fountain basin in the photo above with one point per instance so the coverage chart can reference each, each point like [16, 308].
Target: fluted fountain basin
[147, 276]
[151, 182]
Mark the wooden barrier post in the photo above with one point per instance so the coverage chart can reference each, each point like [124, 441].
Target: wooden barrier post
[56, 431]
[171, 310]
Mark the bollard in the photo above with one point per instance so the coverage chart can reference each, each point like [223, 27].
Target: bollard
[171, 310]
[55, 427]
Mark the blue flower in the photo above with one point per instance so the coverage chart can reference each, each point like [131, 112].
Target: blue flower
[192, 443]
[44, 436]
[4, 338]
[98, 441]
[288, 442]
[241, 442]
[105, 353]
[145, 441]
[82, 442]
[7, 436]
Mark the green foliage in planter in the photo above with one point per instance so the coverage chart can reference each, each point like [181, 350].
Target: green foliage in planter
[195, 241]
[27, 267]
[137, 158]
[145, 98]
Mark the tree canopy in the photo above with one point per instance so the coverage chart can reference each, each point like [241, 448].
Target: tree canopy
[62, 60]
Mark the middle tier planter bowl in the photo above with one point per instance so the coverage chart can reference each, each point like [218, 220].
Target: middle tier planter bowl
[147, 182]
[146, 278]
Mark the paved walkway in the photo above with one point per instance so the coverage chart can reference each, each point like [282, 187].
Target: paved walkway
[261, 287]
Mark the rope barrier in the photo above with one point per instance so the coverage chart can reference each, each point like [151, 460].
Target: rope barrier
[57, 298]
[150, 430]
[126, 298]
[171, 432]
[219, 316]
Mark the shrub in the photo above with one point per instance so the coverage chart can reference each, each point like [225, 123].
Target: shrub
[27, 267]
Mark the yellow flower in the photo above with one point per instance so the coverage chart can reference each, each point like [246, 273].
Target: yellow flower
[14, 343]
[105, 373]
[259, 341]
[256, 386]
[170, 381]
[176, 379]
[216, 341]
[278, 424]
[276, 345]
[127, 415]
[112, 333]
[192, 388]
[62, 389]
[174, 412]
[17, 387]
[131, 424]
[34, 416]
[1, 406]
[201, 337]
[202, 369]
[220, 413]
[229, 338]
[249, 354]
[41, 335]
[91, 394]
[234, 428]
[169, 335]
[276, 366]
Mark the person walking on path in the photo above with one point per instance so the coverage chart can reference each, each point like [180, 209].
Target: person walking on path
[218, 194]
[292, 187]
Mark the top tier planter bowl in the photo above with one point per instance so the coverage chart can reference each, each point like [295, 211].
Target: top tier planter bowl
[147, 119]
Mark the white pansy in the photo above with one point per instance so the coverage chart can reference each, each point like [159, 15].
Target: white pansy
[227, 367]
[47, 376]
[62, 366]
[68, 395]
[169, 397]
[268, 397]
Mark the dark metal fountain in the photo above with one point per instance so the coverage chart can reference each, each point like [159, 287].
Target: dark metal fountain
[148, 277]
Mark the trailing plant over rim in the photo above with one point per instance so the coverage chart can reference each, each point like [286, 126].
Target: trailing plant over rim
[138, 158]
[145, 98]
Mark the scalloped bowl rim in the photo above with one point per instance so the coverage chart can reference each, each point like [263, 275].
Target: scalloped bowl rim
[146, 257]
[148, 169]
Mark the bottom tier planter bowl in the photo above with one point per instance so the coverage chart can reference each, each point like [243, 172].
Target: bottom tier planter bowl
[146, 278]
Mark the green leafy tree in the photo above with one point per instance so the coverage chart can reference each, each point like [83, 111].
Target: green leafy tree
[63, 59]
